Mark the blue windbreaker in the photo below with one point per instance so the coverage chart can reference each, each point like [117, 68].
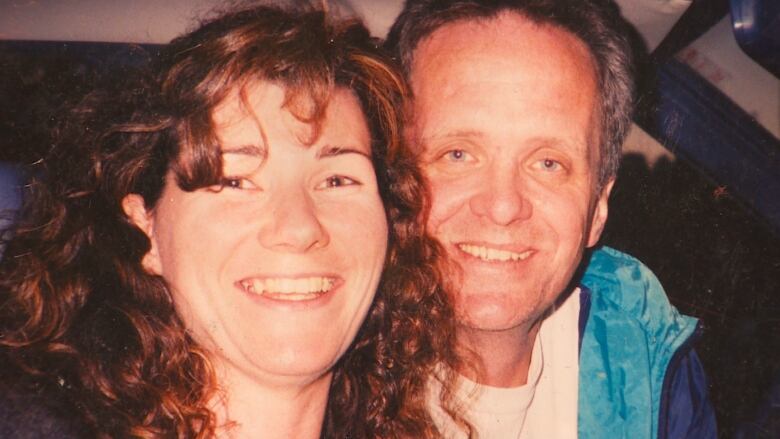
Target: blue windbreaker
[639, 375]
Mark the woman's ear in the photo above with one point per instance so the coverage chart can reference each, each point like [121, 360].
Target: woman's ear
[135, 209]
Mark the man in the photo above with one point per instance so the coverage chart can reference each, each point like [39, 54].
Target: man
[520, 109]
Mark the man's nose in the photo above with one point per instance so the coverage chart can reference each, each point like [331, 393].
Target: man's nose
[501, 198]
[293, 224]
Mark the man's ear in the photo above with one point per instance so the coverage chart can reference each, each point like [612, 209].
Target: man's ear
[135, 209]
[600, 212]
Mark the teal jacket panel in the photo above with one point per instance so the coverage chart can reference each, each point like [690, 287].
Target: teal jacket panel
[632, 333]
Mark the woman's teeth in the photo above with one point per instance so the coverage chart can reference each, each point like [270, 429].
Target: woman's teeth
[493, 254]
[287, 288]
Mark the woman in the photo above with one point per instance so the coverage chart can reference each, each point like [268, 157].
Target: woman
[201, 248]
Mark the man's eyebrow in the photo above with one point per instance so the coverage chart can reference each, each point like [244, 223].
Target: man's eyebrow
[458, 133]
[559, 143]
[439, 136]
[333, 151]
[454, 134]
[250, 150]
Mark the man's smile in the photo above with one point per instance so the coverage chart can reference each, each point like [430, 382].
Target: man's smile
[493, 254]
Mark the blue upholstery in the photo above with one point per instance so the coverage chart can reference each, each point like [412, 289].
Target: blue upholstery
[12, 178]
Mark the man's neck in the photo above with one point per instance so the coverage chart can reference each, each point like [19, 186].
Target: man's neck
[503, 357]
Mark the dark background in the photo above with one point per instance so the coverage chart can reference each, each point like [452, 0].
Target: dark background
[717, 260]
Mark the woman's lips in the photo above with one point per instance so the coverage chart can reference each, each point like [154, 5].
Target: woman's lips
[289, 288]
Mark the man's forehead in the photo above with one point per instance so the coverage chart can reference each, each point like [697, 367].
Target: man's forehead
[508, 52]
[508, 35]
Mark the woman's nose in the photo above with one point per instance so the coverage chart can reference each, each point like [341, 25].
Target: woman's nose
[293, 224]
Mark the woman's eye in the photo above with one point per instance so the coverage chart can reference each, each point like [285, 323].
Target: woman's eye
[237, 183]
[337, 181]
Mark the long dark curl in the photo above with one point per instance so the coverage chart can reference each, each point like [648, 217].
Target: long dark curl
[81, 319]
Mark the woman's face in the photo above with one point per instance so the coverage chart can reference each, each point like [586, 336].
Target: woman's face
[275, 271]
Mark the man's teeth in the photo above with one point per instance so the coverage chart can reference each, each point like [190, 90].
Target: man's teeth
[493, 254]
[292, 289]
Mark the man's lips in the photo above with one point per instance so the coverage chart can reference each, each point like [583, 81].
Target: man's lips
[289, 288]
[491, 253]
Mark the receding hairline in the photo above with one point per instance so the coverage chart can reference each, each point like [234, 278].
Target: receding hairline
[486, 21]
[586, 54]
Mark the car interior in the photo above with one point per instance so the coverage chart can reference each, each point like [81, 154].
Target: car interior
[698, 194]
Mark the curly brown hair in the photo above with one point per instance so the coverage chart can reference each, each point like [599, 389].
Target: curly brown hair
[81, 318]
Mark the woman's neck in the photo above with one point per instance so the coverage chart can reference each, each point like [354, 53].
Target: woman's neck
[249, 407]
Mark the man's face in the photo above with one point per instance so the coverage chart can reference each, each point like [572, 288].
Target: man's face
[506, 115]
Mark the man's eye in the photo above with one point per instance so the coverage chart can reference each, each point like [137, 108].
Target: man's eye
[337, 181]
[550, 165]
[456, 155]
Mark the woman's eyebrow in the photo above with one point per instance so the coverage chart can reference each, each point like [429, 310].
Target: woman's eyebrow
[332, 151]
[250, 150]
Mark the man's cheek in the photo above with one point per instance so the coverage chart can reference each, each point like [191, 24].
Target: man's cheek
[447, 200]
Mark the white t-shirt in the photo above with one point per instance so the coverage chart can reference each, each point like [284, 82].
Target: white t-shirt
[545, 407]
